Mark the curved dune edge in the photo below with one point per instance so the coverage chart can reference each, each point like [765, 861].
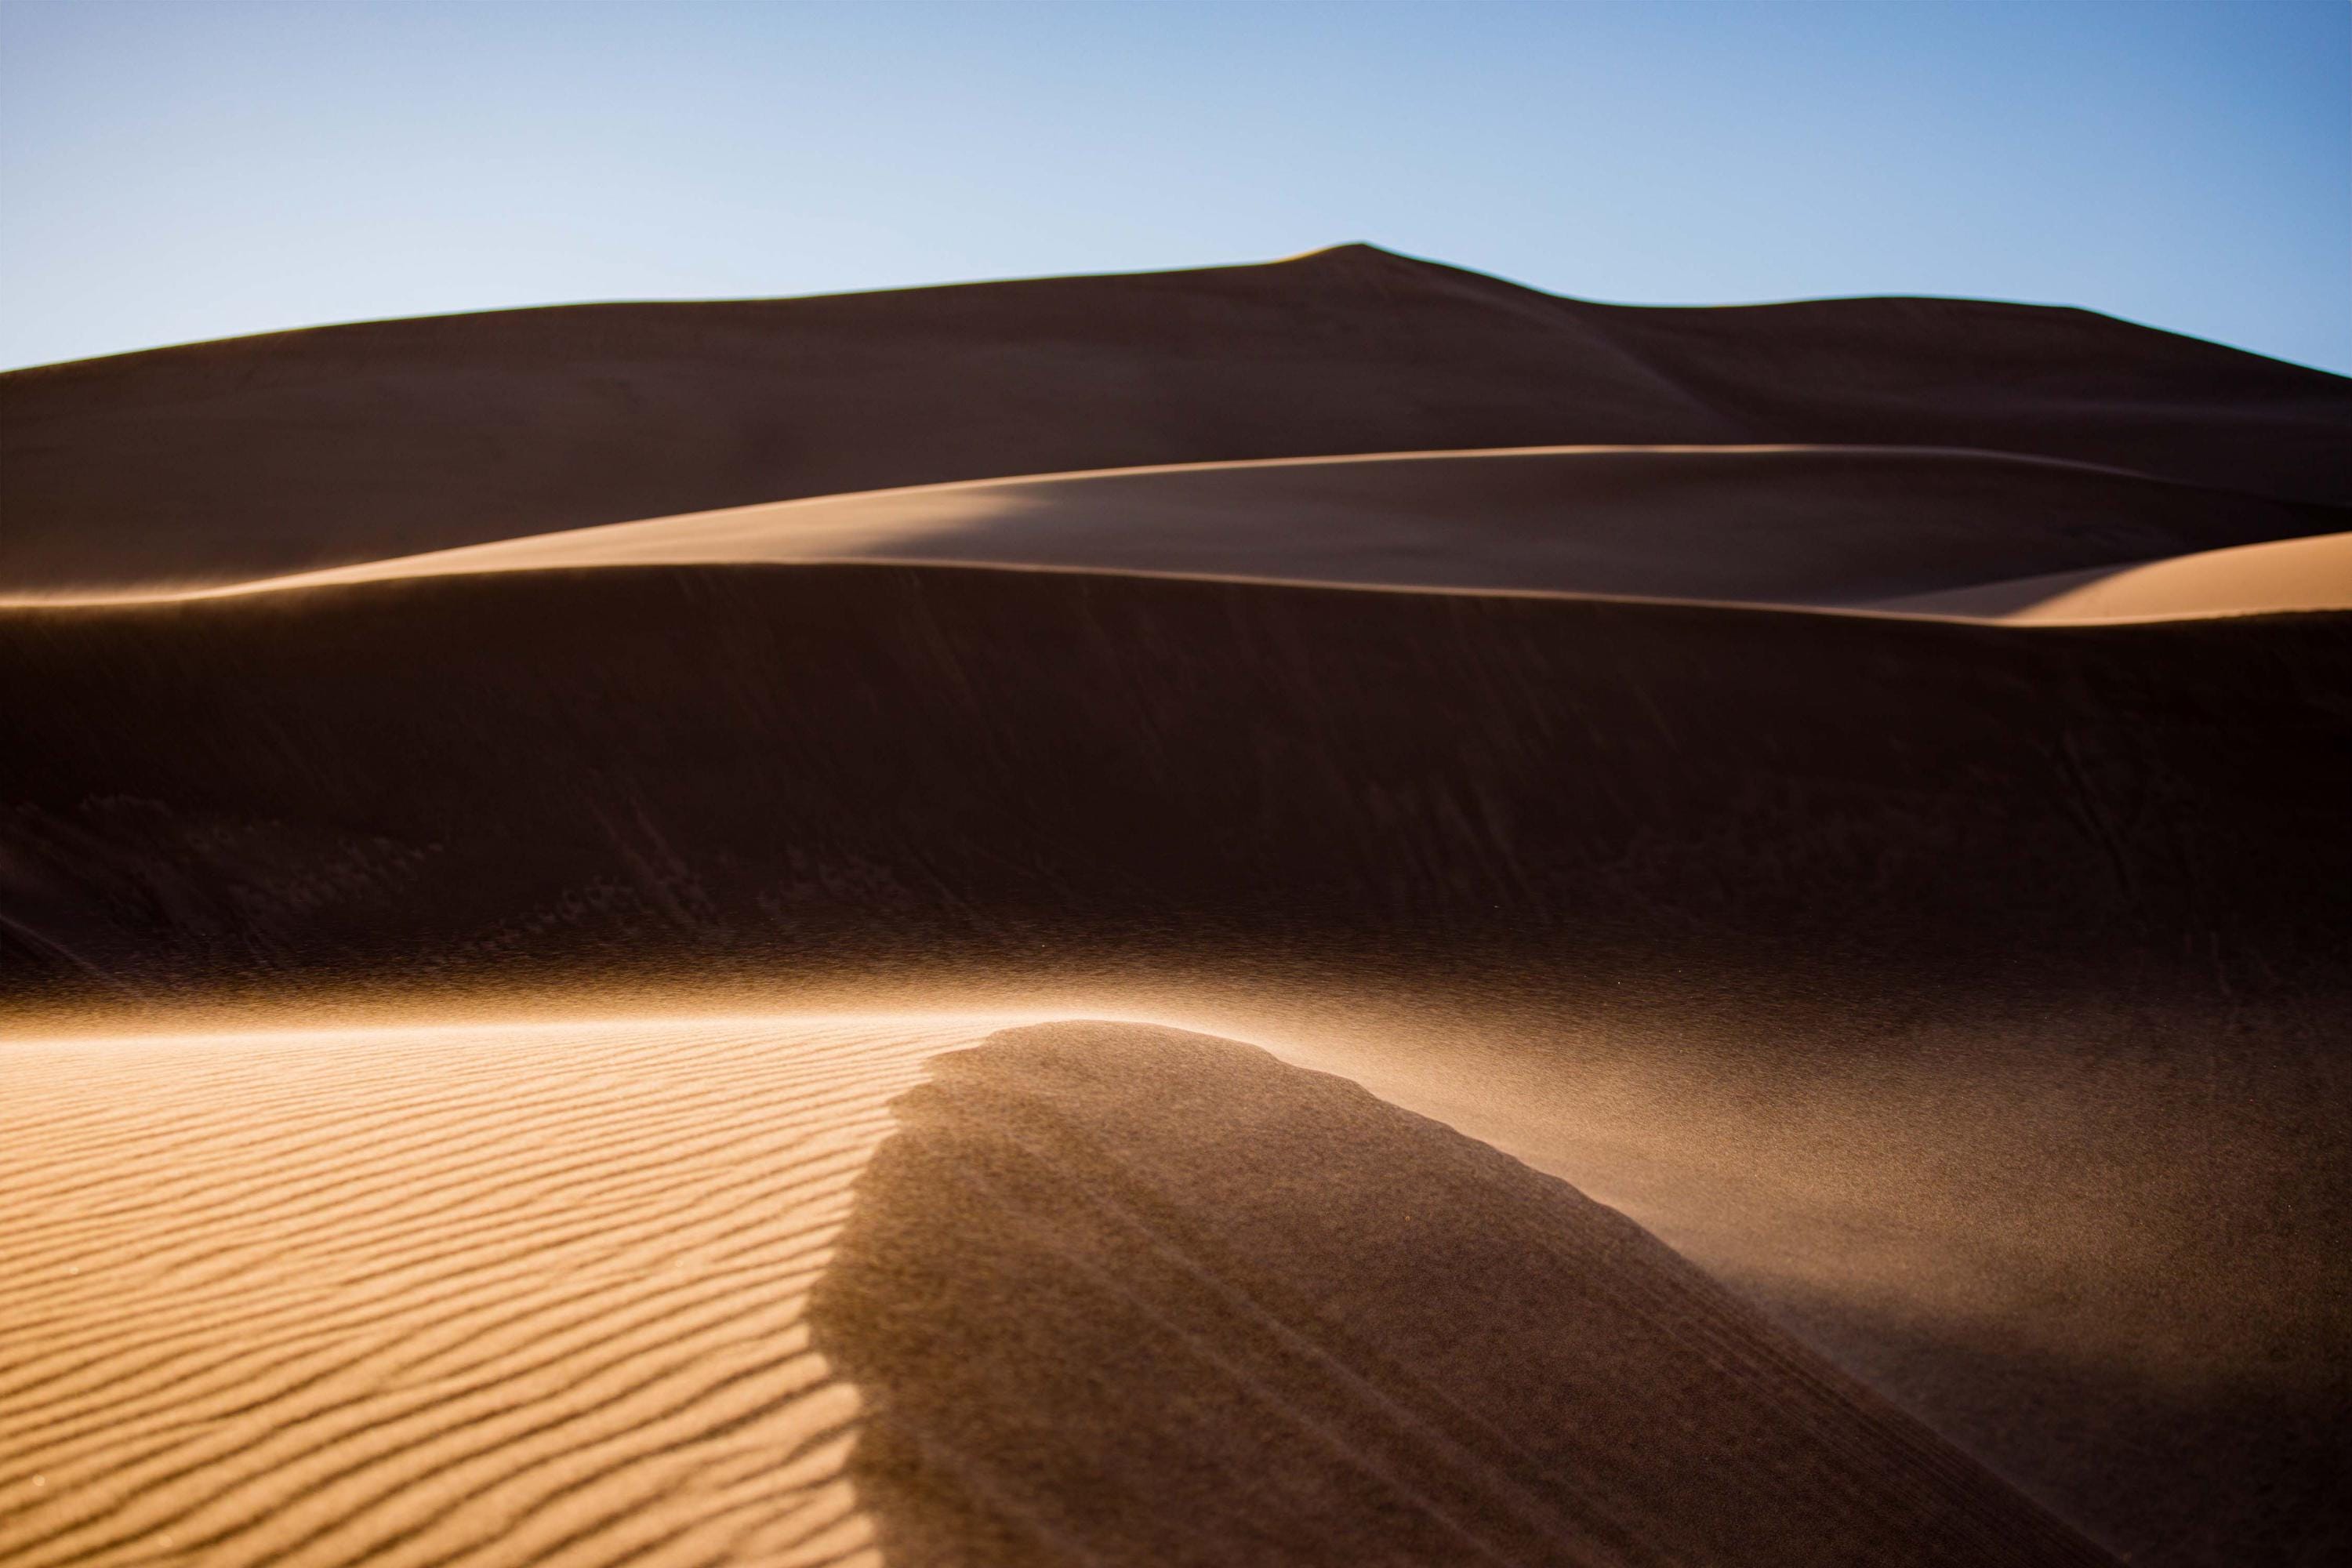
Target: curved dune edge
[1208, 1308]
[260, 457]
[1912, 532]
[545, 1293]
[2273, 577]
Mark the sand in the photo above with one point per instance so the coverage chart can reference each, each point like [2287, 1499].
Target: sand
[1809, 840]
[800, 1289]
[519, 1295]
[1693, 908]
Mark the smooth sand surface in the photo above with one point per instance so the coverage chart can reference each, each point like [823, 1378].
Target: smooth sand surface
[1787, 525]
[766, 1291]
[223, 462]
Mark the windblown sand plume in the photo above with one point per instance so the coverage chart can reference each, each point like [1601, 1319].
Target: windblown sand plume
[1712, 936]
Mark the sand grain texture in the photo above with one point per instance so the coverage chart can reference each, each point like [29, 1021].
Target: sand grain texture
[747, 1290]
[1209, 1308]
[434, 1296]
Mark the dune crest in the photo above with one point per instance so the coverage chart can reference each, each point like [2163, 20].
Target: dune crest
[1119, 1294]
[1818, 527]
[753, 1289]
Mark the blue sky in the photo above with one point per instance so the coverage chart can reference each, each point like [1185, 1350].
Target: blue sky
[195, 169]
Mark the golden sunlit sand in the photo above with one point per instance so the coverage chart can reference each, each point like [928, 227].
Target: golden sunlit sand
[515, 1293]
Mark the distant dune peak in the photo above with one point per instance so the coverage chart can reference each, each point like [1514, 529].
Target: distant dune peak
[295, 451]
[1345, 248]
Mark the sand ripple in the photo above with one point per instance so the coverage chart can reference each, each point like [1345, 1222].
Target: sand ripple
[410, 1297]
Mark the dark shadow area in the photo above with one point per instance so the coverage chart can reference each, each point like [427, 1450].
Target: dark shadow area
[1117, 1294]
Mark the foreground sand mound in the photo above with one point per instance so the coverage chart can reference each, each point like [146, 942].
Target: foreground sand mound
[568, 1294]
[1797, 525]
[231, 460]
[1124, 1295]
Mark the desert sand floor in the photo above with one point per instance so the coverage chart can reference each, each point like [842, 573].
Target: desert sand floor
[842, 1289]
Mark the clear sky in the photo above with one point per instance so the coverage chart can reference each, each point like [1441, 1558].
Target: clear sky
[199, 168]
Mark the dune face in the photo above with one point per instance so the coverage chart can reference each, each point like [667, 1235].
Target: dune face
[479, 772]
[1128, 1295]
[225, 461]
[1834, 811]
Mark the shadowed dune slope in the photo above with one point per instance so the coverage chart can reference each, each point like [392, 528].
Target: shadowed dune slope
[230, 461]
[439, 773]
[1125, 1295]
[1787, 525]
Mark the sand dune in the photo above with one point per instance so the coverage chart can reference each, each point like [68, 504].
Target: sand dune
[2279, 575]
[1691, 906]
[680, 1294]
[1208, 1308]
[222, 462]
[1962, 1003]
[1818, 526]
[471, 773]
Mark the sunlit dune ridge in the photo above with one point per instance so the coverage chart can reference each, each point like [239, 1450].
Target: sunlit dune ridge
[1915, 530]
